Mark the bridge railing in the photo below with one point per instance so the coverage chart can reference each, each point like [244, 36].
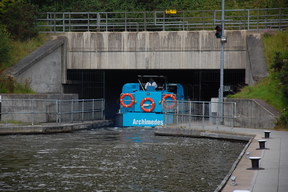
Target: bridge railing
[199, 114]
[236, 19]
[34, 111]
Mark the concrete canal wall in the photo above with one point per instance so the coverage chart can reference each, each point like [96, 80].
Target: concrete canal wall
[31, 107]
[6, 129]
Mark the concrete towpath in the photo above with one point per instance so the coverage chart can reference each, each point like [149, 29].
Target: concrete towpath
[272, 175]
[43, 128]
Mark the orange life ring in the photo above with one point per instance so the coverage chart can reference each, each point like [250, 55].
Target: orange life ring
[152, 104]
[172, 97]
[122, 100]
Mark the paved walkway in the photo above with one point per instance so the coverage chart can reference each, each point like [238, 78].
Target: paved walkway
[273, 173]
[273, 177]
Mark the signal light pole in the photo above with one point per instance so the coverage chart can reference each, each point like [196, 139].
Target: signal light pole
[223, 40]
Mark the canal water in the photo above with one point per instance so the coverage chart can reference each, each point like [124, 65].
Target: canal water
[111, 159]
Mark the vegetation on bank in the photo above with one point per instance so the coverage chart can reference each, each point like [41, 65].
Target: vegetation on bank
[17, 50]
[151, 5]
[18, 38]
[274, 88]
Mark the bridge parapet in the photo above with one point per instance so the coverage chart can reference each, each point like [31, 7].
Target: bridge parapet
[235, 19]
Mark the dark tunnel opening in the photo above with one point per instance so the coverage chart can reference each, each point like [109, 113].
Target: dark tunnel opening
[199, 85]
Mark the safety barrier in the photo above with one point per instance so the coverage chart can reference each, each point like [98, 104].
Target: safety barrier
[34, 111]
[200, 114]
[235, 19]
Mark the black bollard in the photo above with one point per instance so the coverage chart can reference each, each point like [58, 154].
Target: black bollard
[262, 144]
[255, 162]
[267, 134]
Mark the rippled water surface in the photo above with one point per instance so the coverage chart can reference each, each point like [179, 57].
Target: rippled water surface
[114, 160]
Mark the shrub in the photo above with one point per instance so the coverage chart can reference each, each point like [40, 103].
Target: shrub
[5, 46]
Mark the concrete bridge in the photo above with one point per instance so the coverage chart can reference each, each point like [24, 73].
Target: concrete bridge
[165, 51]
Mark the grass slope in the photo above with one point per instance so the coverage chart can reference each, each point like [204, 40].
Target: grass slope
[269, 89]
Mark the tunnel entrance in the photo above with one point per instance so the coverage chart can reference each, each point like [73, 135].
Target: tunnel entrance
[199, 85]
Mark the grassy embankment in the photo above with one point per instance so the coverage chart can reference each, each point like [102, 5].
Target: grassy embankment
[19, 49]
[269, 89]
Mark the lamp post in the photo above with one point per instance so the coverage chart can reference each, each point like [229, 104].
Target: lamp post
[223, 40]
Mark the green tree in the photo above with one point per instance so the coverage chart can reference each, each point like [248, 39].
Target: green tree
[280, 66]
[5, 46]
[20, 19]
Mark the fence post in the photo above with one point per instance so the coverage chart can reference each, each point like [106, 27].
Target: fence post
[57, 111]
[145, 22]
[54, 22]
[82, 109]
[71, 115]
[103, 109]
[63, 22]
[279, 19]
[98, 21]
[248, 15]
[106, 22]
[234, 113]
[88, 18]
[125, 21]
[190, 113]
[69, 22]
[93, 103]
[203, 113]
[164, 17]
[32, 106]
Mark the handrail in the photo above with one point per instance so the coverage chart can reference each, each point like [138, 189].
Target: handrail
[236, 19]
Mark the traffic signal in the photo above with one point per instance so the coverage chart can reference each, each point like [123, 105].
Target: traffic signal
[218, 33]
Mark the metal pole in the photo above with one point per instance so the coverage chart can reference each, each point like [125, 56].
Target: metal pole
[220, 102]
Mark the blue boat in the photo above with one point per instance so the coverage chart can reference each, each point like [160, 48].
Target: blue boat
[149, 104]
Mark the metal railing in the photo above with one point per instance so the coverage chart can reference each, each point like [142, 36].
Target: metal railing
[235, 19]
[34, 111]
[199, 114]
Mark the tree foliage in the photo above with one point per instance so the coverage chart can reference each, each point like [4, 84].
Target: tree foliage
[280, 67]
[20, 20]
[5, 46]
[151, 5]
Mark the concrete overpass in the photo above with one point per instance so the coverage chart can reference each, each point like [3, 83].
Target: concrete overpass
[165, 51]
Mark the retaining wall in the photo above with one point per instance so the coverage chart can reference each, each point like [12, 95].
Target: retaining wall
[253, 113]
[20, 107]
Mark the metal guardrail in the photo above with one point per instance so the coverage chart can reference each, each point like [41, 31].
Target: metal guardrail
[235, 19]
[200, 114]
[35, 111]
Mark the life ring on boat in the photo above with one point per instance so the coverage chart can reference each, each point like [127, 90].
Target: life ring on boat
[169, 96]
[143, 106]
[122, 100]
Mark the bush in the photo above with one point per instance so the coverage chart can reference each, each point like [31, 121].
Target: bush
[20, 20]
[8, 84]
[5, 47]
[280, 67]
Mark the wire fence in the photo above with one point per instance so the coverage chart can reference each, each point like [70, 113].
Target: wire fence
[235, 19]
[199, 113]
[34, 111]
